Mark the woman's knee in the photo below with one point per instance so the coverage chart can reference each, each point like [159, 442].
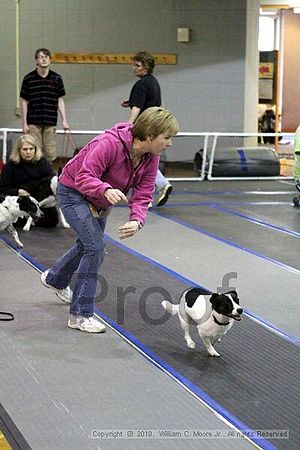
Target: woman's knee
[94, 246]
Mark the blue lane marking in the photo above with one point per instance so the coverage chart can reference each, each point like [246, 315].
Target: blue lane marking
[243, 160]
[27, 257]
[291, 339]
[234, 203]
[253, 220]
[222, 193]
[225, 241]
[161, 364]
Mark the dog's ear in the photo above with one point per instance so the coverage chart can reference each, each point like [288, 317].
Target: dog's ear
[213, 298]
[233, 293]
[25, 204]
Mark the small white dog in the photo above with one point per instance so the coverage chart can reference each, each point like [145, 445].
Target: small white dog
[213, 314]
[44, 190]
[12, 208]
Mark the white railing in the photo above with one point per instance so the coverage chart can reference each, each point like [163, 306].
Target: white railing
[208, 152]
[6, 131]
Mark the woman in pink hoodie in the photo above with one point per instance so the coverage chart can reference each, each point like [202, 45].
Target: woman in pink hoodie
[124, 158]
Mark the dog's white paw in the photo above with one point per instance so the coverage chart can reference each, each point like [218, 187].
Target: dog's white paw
[66, 225]
[213, 353]
[26, 228]
[191, 344]
[19, 244]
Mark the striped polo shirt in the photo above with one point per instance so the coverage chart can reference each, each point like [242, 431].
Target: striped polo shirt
[42, 95]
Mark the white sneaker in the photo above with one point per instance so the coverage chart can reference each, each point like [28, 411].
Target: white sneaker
[163, 194]
[87, 324]
[65, 295]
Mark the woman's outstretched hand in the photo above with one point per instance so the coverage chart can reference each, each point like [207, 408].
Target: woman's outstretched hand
[128, 229]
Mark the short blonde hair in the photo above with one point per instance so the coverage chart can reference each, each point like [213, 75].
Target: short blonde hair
[153, 122]
[16, 155]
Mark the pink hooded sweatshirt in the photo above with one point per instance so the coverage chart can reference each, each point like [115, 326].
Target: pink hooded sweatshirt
[105, 163]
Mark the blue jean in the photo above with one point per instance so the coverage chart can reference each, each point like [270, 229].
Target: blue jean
[85, 256]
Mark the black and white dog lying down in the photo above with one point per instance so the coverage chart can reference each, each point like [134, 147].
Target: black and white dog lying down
[44, 191]
[12, 208]
[213, 315]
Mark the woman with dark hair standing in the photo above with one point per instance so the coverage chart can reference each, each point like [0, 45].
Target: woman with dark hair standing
[27, 164]
[125, 158]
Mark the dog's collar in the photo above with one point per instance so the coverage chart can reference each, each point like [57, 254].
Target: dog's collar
[220, 323]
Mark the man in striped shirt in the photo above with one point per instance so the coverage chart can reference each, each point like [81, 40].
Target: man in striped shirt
[41, 95]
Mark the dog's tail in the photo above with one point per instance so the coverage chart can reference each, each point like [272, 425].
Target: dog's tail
[170, 307]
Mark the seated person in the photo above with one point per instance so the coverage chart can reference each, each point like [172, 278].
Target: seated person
[296, 200]
[26, 164]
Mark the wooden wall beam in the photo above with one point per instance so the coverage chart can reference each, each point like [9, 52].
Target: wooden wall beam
[107, 58]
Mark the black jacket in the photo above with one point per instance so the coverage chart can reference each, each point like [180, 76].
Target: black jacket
[14, 175]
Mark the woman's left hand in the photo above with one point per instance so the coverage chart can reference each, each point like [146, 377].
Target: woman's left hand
[128, 229]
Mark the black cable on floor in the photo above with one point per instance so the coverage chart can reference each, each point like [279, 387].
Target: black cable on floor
[9, 316]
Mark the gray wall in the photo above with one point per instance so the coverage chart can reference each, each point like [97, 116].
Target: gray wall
[212, 88]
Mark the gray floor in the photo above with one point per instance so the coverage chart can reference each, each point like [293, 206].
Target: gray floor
[206, 231]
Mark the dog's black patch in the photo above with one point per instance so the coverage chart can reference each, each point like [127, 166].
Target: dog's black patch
[30, 206]
[192, 295]
[222, 304]
[234, 295]
[27, 205]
